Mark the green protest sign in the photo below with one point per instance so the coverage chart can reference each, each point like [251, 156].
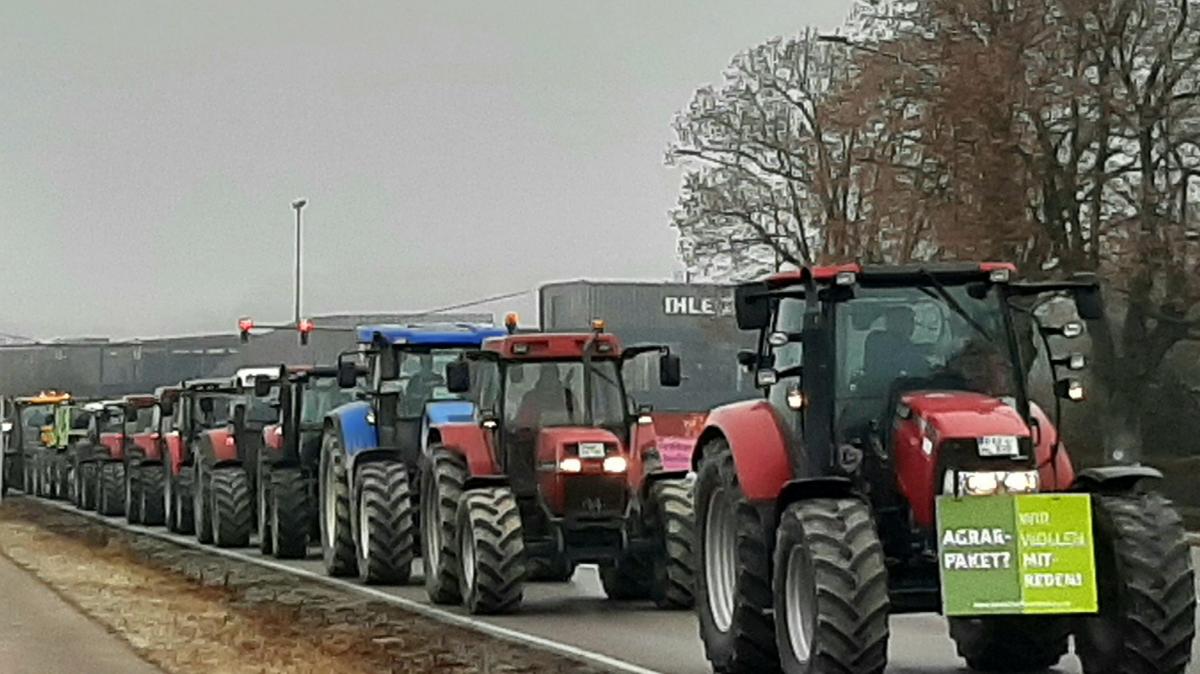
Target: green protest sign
[1024, 554]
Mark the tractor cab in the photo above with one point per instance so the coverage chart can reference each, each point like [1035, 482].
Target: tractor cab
[107, 429]
[139, 428]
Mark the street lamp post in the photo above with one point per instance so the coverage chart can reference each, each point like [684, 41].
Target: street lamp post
[298, 205]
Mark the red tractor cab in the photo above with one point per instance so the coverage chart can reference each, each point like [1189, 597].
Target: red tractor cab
[145, 501]
[549, 475]
[225, 456]
[185, 417]
[895, 463]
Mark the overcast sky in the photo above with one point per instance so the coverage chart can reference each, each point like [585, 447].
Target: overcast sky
[149, 151]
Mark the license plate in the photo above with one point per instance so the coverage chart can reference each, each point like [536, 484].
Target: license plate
[591, 450]
[999, 445]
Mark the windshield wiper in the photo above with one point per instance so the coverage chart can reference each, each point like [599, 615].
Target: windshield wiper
[946, 297]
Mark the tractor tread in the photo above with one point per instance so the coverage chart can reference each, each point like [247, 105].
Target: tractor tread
[675, 567]
[340, 558]
[185, 521]
[444, 480]
[493, 519]
[150, 479]
[232, 509]
[1147, 602]
[112, 489]
[289, 513]
[385, 507]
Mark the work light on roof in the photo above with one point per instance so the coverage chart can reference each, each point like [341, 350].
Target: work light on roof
[598, 324]
[1000, 275]
[845, 278]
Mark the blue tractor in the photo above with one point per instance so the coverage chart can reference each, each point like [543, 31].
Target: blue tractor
[371, 448]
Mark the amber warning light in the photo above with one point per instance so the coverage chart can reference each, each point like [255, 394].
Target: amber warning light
[510, 321]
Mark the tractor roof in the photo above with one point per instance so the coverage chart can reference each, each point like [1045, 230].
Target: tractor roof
[167, 391]
[44, 398]
[890, 274]
[429, 334]
[140, 399]
[215, 384]
[550, 345]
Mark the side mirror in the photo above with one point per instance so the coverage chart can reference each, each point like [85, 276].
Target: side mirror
[670, 370]
[1089, 304]
[458, 376]
[751, 306]
[747, 359]
[347, 374]
[262, 387]
[766, 377]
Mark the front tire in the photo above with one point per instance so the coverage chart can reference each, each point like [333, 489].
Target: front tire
[133, 495]
[491, 551]
[675, 556]
[830, 589]
[733, 579]
[442, 480]
[289, 513]
[150, 495]
[86, 480]
[112, 488]
[630, 579]
[183, 502]
[201, 502]
[1010, 644]
[386, 541]
[232, 521]
[262, 499]
[1147, 593]
[337, 538]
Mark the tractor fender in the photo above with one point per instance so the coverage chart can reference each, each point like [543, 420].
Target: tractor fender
[442, 412]
[471, 442]
[1113, 478]
[802, 489]
[355, 425]
[218, 447]
[175, 452]
[758, 445]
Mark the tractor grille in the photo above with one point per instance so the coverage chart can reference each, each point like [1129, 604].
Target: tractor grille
[963, 454]
[594, 496]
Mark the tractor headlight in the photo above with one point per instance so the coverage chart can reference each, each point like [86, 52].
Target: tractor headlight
[570, 465]
[987, 483]
[615, 464]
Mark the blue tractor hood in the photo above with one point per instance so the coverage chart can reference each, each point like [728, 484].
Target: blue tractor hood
[429, 334]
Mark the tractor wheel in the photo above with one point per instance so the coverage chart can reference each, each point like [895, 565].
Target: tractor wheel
[72, 490]
[262, 494]
[491, 551]
[232, 518]
[337, 536]
[386, 540]
[675, 558]
[64, 478]
[112, 488]
[150, 481]
[85, 485]
[442, 480]
[182, 502]
[133, 495]
[201, 502]
[1010, 644]
[830, 588]
[630, 579]
[1147, 595]
[733, 579]
[289, 513]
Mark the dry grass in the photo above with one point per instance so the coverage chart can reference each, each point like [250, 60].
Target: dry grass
[187, 611]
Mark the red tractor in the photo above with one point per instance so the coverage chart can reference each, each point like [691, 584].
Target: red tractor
[895, 463]
[100, 462]
[145, 502]
[200, 405]
[547, 475]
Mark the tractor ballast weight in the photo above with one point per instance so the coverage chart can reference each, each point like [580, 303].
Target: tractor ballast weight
[535, 488]
[839, 489]
[371, 448]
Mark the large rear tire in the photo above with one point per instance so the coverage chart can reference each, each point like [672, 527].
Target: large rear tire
[442, 479]
[150, 479]
[830, 589]
[1147, 593]
[1010, 644]
[337, 537]
[385, 543]
[491, 551]
[201, 502]
[262, 500]
[133, 495]
[232, 507]
[86, 480]
[675, 554]
[112, 488]
[184, 502]
[733, 579]
[289, 513]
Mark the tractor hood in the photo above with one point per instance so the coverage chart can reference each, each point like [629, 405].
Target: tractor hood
[572, 474]
[964, 415]
[557, 443]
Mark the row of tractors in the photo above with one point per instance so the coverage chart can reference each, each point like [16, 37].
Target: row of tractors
[894, 463]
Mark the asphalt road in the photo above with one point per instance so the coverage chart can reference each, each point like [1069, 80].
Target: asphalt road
[577, 615]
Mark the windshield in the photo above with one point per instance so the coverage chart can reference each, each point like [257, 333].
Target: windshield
[143, 422]
[541, 394]
[891, 340]
[422, 379]
[113, 422]
[319, 397]
[35, 416]
[217, 417]
[262, 410]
